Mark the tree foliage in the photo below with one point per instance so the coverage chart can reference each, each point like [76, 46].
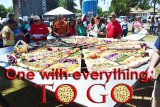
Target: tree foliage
[67, 4]
[62, 3]
[3, 11]
[143, 4]
[71, 5]
[51, 4]
[78, 11]
[9, 9]
[99, 10]
[104, 13]
[120, 7]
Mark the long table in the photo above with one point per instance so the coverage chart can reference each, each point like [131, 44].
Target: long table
[134, 37]
[81, 85]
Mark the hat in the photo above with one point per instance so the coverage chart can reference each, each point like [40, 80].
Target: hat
[112, 15]
[36, 17]
[25, 18]
[20, 18]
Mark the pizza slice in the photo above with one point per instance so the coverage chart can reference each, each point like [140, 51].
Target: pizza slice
[69, 64]
[42, 58]
[101, 64]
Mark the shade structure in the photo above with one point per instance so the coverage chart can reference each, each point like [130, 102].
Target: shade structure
[58, 11]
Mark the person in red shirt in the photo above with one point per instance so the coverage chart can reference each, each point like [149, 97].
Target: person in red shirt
[71, 28]
[38, 30]
[113, 28]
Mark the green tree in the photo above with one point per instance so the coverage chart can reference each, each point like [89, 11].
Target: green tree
[78, 11]
[99, 10]
[3, 11]
[144, 4]
[71, 5]
[104, 13]
[9, 9]
[63, 3]
[120, 7]
[51, 4]
[67, 4]
[155, 2]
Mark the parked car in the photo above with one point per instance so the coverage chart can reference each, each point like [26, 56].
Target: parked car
[144, 20]
[131, 19]
[150, 16]
[121, 18]
[47, 23]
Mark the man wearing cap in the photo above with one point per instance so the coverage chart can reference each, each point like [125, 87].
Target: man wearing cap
[38, 30]
[60, 28]
[113, 28]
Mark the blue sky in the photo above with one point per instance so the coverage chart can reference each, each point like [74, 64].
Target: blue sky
[8, 3]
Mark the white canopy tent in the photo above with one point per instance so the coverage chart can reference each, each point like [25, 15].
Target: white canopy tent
[58, 11]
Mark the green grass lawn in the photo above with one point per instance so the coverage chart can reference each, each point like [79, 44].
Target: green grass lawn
[150, 38]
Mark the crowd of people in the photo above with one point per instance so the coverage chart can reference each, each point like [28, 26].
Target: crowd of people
[35, 30]
[14, 30]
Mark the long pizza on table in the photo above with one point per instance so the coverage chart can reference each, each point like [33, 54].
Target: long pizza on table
[101, 54]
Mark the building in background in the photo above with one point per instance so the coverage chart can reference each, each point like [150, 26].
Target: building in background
[143, 13]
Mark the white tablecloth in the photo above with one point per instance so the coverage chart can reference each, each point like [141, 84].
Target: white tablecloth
[134, 37]
[81, 85]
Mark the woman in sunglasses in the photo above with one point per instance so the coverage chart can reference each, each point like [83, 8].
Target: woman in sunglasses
[7, 33]
[38, 30]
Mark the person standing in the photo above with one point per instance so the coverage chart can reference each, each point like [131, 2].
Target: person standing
[38, 30]
[61, 27]
[113, 28]
[124, 25]
[138, 25]
[156, 25]
[152, 23]
[7, 33]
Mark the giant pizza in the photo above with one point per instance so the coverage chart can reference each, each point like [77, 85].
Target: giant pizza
[98, 54]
